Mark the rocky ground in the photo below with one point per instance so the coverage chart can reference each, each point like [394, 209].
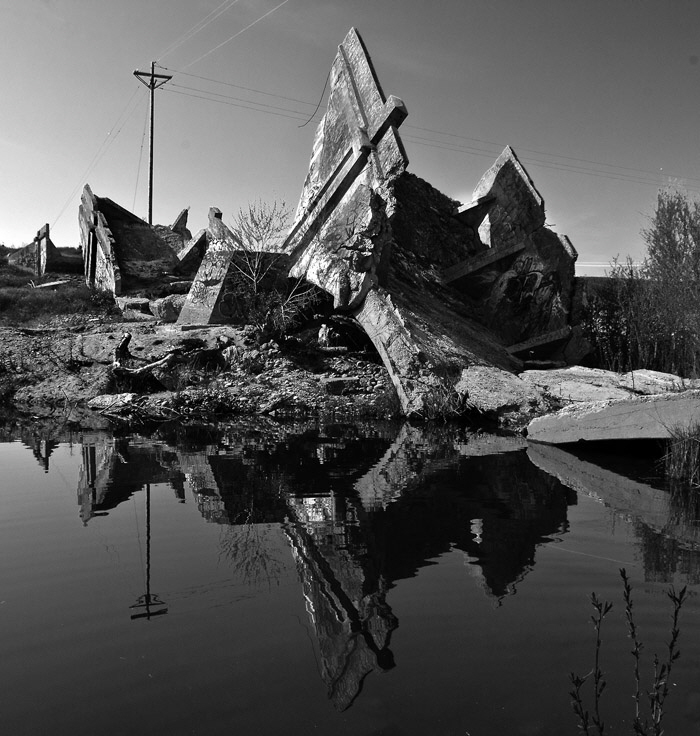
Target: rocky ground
[68, 363]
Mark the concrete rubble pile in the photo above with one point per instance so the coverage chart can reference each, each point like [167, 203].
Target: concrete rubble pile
[458, 299]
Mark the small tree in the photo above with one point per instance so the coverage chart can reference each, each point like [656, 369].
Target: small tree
[649, 315]
[673, 268]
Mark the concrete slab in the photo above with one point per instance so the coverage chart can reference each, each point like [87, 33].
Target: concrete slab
[644, 417]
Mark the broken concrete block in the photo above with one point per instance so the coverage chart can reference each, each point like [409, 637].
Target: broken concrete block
[524, 272]
[206, 301]
[112, 403]
[356, 147]
[580, 384]
[134, 304]
[102, 269]
[42, 256]
[180, 225]
[221, 290]
[518, 206]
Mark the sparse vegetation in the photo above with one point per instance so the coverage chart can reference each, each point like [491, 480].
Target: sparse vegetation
[591, 722]
[682, 457]
[21, 303]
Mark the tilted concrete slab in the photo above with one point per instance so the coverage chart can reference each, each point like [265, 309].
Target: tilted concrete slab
[646, 417]
[378, 239]
[523, 271]
[121, 251]
[102, 270]
[217, 292]
[438, 302]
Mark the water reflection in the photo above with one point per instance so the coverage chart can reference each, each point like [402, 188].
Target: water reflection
[363, 507]
[667, 523]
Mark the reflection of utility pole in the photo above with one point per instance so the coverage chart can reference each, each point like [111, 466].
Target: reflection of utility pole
[150, 602]
[152, 81]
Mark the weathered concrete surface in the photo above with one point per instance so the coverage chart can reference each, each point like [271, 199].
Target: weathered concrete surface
[168, 308]
[207, 299]
[626, 496]
[99, 257]
[192, 253]
[579, 384]
[356, 149]
[220, 291]
[646, 417]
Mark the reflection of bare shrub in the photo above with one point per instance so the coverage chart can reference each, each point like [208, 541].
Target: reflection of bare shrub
[247, 547]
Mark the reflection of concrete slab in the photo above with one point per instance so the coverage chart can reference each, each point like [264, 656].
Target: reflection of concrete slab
[397, 470]
[646, 417]
[385, 481]
[649, 505]
[490, 444]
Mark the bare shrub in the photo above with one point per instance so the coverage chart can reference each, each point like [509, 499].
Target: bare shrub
[266, 297]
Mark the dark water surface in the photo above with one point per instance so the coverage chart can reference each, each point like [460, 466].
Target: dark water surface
[297, 579]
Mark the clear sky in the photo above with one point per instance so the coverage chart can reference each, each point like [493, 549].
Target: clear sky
[599, 98]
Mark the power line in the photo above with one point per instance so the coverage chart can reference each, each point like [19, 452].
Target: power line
[320, 100]
[635, 175]
[239, 86]
[102, 150]
[235, 99]
[652, 178]
[541, 153]
[199, 26]
[296, 116]
[236, 35]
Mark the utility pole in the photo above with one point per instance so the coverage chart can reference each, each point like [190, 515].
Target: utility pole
[150, 603]
[152, 81]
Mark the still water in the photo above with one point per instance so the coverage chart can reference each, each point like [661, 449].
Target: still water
[332, 579]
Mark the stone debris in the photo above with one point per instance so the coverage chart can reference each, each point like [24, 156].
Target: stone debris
[168, 308]
[578, 383]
